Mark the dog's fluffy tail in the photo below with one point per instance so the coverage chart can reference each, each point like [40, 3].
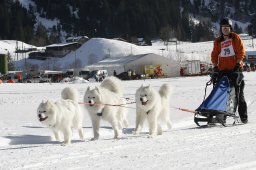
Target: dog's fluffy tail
[165, 90]
[113, 84]
[70, 93]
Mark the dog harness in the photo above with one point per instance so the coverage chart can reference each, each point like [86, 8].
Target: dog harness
[100, 113]
[148, 112]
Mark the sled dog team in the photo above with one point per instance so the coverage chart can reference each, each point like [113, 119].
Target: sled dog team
[106, 102]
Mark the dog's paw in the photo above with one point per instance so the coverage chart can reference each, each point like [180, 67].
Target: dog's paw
[159, 132]
[117, 137]
[54, 138]
[65, 143]
[135, 132]
[151, 135]
[92, 139]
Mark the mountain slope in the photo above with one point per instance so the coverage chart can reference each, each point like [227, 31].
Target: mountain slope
[40, 22]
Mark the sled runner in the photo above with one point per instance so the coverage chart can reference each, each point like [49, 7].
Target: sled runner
[222, 101]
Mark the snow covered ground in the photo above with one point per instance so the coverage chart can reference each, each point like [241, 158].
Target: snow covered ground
[26, 144]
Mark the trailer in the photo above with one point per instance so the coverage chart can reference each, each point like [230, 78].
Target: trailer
[191, 67]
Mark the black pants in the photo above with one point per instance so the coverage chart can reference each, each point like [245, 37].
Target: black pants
[242, 105]
[239, 89]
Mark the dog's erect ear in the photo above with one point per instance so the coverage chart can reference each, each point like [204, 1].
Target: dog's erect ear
[97, 89]
[88, 88]
[148, 86]
[49, 102]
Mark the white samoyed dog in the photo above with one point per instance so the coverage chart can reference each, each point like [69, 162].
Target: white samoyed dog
[99, 103]
[62, 116]
[153, 106]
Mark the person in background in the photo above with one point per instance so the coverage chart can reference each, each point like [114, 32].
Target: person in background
[103, 75]
[19, 77]
[181, 71]
[246, 67]
[114, 73]
[10, 80]
[252, 66]
[227, 56]
[133, 73]
[130, 74]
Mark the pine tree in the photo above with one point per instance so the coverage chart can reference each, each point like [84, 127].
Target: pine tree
[237, 29]
[252, 27]
[40, 37]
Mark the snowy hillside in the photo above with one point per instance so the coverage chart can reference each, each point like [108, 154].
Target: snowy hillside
[97, 49]
[25, 144]
[11, 45]
[48, 23]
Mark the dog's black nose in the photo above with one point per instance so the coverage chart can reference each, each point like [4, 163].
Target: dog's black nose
[90, 101]
[40, 116]
[141, 99]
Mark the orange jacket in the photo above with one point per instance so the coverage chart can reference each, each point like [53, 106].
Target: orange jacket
[228, 63]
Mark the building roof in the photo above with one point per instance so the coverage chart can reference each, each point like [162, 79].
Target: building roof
[250, 51]
[3, 51]
[61, 44]
[74, 39]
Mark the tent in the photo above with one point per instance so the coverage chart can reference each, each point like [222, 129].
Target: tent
[137, 63]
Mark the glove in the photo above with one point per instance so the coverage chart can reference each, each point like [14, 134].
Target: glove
[237, 68]
[214, 76]
[216, 69]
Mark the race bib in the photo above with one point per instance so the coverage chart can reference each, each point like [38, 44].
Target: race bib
[227, 49]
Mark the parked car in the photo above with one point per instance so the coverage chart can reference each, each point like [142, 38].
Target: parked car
[85, 74]
[37, 79]
[124, 76]
[98, 75]
[44, 79]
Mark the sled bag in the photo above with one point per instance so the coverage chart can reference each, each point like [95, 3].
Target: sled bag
[220, 101]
